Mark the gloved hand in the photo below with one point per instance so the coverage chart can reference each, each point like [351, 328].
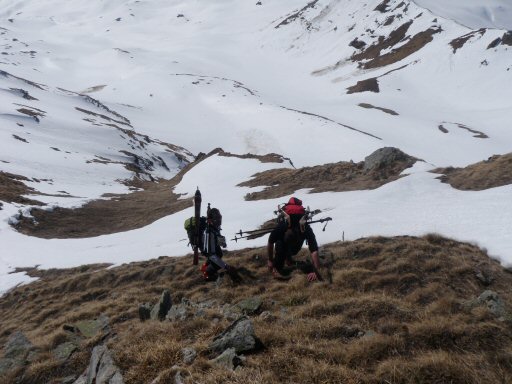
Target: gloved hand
[312, 277]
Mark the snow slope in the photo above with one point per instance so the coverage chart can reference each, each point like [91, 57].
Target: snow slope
[259, 79]
[473, 13]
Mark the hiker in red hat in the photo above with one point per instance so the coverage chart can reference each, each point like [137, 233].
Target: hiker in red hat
[287, 240]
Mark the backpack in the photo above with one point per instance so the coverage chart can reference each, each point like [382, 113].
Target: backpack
[190, 227]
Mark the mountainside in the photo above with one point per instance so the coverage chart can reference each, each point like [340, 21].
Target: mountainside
[100, 99]
[391, 310]
[392, 117]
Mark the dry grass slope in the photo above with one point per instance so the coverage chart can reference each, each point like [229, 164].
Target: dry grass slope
[405, 294]
[334, 177]
[118, 214]
[491, 173]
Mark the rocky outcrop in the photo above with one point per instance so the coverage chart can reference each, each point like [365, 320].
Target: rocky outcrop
[18, 352]
[144, 311]
[229, 359]
[163, 306]
[239, 335]
[101, 369]
[384, 157]
[89, 328]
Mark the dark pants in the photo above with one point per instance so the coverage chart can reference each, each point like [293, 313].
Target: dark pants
[285, 249]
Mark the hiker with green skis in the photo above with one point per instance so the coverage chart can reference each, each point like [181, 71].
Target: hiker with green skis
[286, 240]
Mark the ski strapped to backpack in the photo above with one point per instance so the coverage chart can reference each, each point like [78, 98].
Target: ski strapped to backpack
[285, 212]
[197, 226]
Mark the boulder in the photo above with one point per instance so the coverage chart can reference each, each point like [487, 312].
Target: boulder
[101, 369]
[239, 335]
[177, 312]
[229, 359]
[64, 351]
[188, 355]
[144, 311]
[17, 346]
[383, 157]
[90, 328]
[16, 352]
[163, 306]
[484, 275]
[249, 306]
[493, 302]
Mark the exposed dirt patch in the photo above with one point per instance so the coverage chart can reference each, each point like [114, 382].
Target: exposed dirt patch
[12, 188]
[373, 51]
[459, 42]
[368, 85]
[476, 134]
[268, 158]
[506, 39]
[101, 116]
[385, 110]
[372, 84]
[382, 7]
[120, 213]
[416, 43]
[491, 173]
[395, 312]
[335, 177]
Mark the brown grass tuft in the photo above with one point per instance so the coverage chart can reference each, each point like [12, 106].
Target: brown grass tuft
[491, 173]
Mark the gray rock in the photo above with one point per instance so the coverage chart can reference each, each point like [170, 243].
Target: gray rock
[162, 307]
[178, 379]
[107, 369]
[101, 369]
[68, 380]
[16, 352]
[484, 275]
[144, 311]
[177, 312]
[229, 359]
[239, 335]
[116, 379]
[492, 301]
[383, 157]
[206, 304]
[188, 355]
[267, 316]
[82, 379]
[200, 313]
[17, 346]
[90, 328]
[250, 306]
[7, 365]
[64, 351]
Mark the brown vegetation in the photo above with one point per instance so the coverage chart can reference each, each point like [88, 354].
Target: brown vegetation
[334, 177]
[368, 85]
[395, 312]
[121, 212]
[491, 173]
[385, 110]
[461, 41]
[12, 189]
[372, 55]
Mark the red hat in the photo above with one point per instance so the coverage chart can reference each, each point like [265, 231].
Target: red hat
[294, 207]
